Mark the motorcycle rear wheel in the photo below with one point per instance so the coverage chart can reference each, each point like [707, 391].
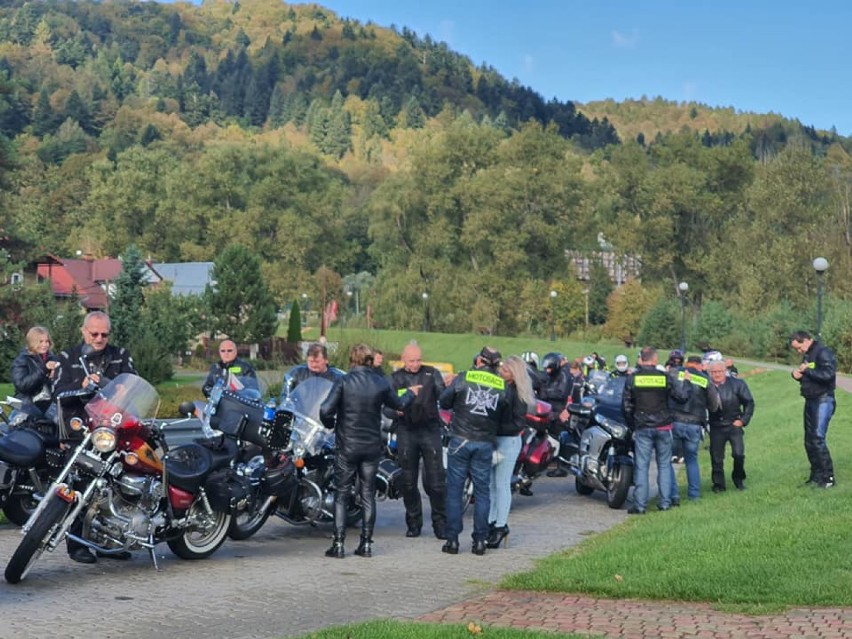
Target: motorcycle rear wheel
[201, 542]
[622, 478]
[581, 488]
[246, 524]
[36, 540]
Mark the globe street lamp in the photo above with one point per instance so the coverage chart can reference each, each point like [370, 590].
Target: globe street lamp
[304, 309]
[553, 295]
[820, 266]
[425, 297]
[683, 287]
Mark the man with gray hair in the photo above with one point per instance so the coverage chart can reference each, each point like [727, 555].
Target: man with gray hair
[727, 424]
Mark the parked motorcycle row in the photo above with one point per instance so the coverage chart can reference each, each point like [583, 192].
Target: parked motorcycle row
[121, 481]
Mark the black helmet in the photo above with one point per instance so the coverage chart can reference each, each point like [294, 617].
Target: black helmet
[551, 363]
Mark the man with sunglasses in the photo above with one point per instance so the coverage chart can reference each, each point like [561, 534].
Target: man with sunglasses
[228, 363]
[89, 366]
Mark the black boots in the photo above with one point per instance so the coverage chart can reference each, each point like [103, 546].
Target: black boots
[365, 548]
[497, 535]
[336, 549]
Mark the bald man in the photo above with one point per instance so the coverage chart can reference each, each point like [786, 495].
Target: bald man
[419, 434]
[228, 363]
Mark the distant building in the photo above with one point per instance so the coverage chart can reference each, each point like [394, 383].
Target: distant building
[186, 278]
[89, 279]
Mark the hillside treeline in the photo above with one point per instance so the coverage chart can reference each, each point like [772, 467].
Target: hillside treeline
[345, 154]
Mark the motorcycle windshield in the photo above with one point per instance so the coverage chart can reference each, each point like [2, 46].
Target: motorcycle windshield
[608, 399]
[127, 398]
[304, 403]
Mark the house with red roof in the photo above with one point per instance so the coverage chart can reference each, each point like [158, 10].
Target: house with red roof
[91, 280]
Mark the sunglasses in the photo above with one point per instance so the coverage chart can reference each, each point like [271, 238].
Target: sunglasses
[226, 350]
[97, 335]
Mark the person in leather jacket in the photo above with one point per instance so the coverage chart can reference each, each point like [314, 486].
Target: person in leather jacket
[353, 408]
[478, 399]
[227, 364]
[817, 376]
[688, 422]
[32, 374]
[316, 365]
[103, 362]
[419, 436]
[645, 403]
[727, 424]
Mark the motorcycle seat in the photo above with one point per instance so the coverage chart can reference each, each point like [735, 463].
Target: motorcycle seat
[21, 447]
[188, 466]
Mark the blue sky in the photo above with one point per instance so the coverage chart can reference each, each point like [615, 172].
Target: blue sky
[784, 56]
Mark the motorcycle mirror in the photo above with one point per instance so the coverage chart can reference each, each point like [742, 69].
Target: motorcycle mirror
[187, 408]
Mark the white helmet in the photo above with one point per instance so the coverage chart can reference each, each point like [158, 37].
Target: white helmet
[530, 358]
[621, 363]
[712, 356]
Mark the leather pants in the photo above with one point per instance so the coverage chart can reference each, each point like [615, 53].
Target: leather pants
[346, 467]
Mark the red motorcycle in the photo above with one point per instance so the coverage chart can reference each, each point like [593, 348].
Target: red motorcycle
[537, 450]
[125, 494]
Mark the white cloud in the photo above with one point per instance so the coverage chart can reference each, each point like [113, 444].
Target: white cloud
[625, 41]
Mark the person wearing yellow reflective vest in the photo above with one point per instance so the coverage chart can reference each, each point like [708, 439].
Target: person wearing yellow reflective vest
[688, 422]
[645, 403]
[478, 399]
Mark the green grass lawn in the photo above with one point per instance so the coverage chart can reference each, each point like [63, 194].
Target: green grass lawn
[774, 545]
[386, 629]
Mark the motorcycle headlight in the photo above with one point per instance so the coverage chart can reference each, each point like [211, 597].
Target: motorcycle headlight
[103, 439]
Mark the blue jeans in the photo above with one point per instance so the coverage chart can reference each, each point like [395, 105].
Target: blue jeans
[465, 456]
[689, 438]
[646, 440]
[818, 413]
[501, 479]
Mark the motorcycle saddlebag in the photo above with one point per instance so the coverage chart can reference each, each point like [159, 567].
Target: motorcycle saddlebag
[279, 478]
[241, 417]
[226, 491]
[539, 456]
[389, 479]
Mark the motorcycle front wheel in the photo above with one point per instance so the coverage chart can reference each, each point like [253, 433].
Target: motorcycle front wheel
[36, 540]
[201, 540]
[245, 524]
[619, 485]
[581, 488]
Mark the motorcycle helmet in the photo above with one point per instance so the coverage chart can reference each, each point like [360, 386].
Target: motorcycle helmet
[551, 363]
[675, 358]
[530, 358]
[712, 356]
[621, 363]
[589, 362]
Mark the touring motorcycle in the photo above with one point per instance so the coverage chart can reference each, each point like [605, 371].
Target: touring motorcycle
[126, 491]
[597, 446]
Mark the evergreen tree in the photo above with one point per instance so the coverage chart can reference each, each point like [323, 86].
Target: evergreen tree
[242, 305]
[44, 117]
[294, 326]
[126, 305]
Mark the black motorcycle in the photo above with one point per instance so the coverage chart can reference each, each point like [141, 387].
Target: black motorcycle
[597, 446]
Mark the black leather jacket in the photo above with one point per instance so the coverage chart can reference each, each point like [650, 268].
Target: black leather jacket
[737, 403]
[422, 412]
[353, 408]
[478, 399]
[300, 373]
[819, 378]
[647, 391]
[704, 398]
[30, 376]
[514, 417]
[556, 389]
[109, 363]
[239, 367]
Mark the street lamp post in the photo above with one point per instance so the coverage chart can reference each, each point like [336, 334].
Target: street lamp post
[586, 296]
[820, 266]
[425, 297]
[683, 287]
[553, 295]
[304, 309]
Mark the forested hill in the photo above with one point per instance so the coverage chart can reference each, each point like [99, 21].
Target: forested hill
[344, 154]
[256, 62]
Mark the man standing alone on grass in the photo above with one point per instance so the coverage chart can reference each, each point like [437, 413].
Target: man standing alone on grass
[817, 377]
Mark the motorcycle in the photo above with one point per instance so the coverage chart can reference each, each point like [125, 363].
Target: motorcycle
[597, 447]
[124, 494]
[292, 470]
[31, 455]
[538, 448]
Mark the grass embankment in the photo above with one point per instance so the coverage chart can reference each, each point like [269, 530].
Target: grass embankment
[776, 544]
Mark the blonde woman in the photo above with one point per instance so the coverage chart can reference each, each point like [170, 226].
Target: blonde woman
[521, 398]
[33, 371]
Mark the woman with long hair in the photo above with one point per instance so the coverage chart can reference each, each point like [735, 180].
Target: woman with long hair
[521, 399]
[33, 372]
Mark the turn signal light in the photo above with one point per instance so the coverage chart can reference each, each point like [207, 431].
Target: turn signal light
[65, 493]
[131, 459]
[76, 424]
[299, 463]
